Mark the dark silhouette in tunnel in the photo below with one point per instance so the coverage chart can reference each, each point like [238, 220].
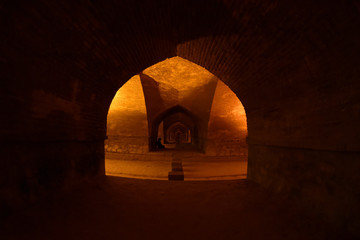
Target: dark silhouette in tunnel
[159, 144]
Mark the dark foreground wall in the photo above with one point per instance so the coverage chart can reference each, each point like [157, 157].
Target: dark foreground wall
[293, 65]
[327, 181]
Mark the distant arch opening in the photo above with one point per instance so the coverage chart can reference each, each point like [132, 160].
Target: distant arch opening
[180, 129]
[178, 133]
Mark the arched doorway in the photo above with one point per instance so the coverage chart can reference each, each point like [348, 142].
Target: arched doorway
[181, 117]
[178, 133]
[194, 112]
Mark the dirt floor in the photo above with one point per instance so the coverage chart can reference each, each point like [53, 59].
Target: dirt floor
[157, 165]
[123, 208]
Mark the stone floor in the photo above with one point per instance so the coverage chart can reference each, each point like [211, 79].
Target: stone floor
[156, 165]
[123, 208]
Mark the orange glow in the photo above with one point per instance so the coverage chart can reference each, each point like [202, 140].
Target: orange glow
[227, 112]
[127, 120]
[180, 74]
[127, 112]
[129, 96]
[227, 124]
[168, 84]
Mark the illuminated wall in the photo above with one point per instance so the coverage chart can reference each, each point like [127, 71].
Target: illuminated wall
[227, 125]
[211, 115]
[179, 82]
[127, 127]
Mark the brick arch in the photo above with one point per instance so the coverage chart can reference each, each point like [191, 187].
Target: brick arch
[290, 84]
[168, 112]
[294, 66]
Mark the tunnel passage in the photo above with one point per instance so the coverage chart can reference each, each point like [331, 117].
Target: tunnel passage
[200, 122]
[180, 129]
[293, 64]
[178, 133]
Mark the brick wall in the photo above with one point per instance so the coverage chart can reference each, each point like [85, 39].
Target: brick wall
[293, 65]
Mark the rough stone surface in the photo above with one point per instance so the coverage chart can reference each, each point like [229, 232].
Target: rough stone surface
[150, 209]
[317, 178]
[227, 124]
[127, 120]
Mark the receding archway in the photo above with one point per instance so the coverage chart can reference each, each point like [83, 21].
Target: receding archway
[178, 133]
[194, 108]
[171, 116]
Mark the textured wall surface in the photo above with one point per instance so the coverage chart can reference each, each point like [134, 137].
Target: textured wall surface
[127, 127]
[293, 64]
[227, 124]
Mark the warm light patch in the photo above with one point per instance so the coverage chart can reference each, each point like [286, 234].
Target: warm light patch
[227, 125]
[174, 100]
[129, 97]
[227, 113]
[127, 112]
[179, 74]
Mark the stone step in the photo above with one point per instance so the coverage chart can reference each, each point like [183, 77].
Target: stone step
[176, 166]
[176, 175]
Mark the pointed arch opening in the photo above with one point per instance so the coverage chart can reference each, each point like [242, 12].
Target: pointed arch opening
[176, 116]
[194, 115]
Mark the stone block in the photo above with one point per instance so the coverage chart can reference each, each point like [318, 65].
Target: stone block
[176, 175]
